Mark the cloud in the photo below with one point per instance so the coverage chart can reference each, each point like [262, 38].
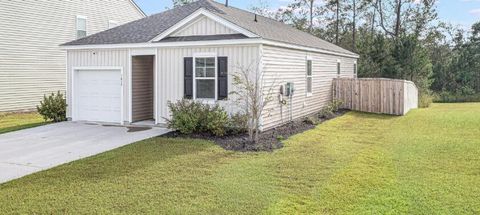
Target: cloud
[475, 12]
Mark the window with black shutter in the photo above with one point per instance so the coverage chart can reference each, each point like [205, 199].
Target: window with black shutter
[206, 77]
[222, 78]
[188, 78]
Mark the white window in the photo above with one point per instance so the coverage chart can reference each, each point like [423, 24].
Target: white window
[338, 68]
[355, 69]
[205, 82]
[112, 24]
[309, 76]
[81, 26]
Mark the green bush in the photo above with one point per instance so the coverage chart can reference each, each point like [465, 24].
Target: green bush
[447, 97]
[425, 100]
[312, 120]
[329, 110]
[188, 116]
[185, 116]
[53, 107]
[216, 120]
[238, 123]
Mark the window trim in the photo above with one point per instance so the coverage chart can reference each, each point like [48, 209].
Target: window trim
[112, 22]
[194, 75]
[339, 68]
[76, 26]
[309, 58]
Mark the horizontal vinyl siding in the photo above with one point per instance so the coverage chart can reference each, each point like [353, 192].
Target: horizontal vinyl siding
[170, 72]
[203, 26]
[99, 58]
[31, 62]
[282, 65]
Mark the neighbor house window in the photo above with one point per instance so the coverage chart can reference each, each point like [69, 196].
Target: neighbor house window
[309, 76]
[205, 83]
[81, 26]
[112, 24]
[338, 68]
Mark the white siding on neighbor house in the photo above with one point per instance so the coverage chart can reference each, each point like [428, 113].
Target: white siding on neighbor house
[281, 65]
[99, 58]
[203, 26]
[31, 61]
[170, 72]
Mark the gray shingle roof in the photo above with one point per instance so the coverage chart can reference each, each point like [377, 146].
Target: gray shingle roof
[146, 29]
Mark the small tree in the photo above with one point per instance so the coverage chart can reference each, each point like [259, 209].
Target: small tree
[252, 96]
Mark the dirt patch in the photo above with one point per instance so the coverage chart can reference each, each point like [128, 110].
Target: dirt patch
[268, 140]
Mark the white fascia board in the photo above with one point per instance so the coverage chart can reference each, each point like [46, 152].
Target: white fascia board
[305, 48]
[208, 14]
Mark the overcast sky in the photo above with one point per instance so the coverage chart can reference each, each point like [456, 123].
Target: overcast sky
[458, 12]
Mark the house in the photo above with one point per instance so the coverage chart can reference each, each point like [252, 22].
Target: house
[31, 62]
[129, 74]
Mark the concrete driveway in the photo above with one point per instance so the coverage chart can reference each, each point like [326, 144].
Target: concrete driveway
[31, 150]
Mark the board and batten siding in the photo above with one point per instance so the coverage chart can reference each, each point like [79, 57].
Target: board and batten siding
[281, 65]
[203, 26]
[98, 59]
[170, 72]
[31, 61]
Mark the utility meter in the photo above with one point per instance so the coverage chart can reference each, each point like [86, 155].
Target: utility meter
[289, 89]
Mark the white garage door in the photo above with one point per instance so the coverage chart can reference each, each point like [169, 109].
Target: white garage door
[97, 95]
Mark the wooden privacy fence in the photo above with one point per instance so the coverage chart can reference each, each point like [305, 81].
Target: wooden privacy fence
[376, 95]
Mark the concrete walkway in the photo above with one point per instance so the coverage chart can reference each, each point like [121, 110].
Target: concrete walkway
[31, 150]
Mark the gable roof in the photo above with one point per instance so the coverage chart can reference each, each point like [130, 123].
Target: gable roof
[138, 8]
[146, 29]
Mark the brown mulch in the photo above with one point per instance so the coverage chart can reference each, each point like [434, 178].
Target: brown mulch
[268, 140]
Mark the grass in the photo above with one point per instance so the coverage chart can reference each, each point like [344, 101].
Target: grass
[16, 121]
[424, 163]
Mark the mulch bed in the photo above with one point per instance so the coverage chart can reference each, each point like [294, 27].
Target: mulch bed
[268, 140]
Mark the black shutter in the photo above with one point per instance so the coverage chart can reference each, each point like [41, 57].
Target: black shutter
[222, 78]
[188, 77]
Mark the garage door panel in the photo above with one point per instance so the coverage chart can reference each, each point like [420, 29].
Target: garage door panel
[98, 95]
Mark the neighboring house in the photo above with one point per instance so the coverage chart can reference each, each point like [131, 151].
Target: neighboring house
[31, 62]
[130, 73]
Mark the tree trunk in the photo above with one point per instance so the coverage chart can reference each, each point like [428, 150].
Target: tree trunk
[310, 28]
[354, 32]
[337, 22]
[398, 22]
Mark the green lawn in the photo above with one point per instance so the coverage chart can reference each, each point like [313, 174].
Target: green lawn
[16, 121]
[427, 162]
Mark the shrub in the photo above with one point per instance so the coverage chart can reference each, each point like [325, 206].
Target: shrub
[238, 123]
[329, 110]
[185, 116]
[425, 100]
[188, 116]
[216, 120]
[447, 97]
[53, 107]
[312, 120]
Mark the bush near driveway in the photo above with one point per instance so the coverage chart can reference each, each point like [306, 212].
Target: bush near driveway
[423, 163]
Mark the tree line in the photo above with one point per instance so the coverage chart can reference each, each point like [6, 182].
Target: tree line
[402, 39]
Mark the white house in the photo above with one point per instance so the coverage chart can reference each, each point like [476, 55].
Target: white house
[129, 73]
[31, 62]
